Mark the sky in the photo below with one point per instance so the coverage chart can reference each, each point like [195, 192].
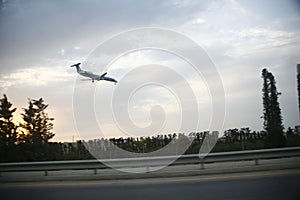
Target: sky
[158, 90]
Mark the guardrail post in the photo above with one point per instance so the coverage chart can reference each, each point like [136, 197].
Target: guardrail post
[46, 172]
[147, 169]
[202, 163]
[256, 161]
[95, 171]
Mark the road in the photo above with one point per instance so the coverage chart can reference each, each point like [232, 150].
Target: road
[255, 185]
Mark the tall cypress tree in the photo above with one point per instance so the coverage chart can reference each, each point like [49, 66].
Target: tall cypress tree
[266, 99]
[272, 112]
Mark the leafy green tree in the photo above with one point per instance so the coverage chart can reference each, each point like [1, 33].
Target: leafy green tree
[272, 112]
[37, 131]
[37, 123]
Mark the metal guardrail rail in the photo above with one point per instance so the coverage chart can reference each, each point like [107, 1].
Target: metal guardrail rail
[147, 162]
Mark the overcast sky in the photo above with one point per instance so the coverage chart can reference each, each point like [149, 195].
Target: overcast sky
[39, 40]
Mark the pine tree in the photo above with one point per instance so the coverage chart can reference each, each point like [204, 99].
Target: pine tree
[37, 123]
[8, 130]
[272, 112]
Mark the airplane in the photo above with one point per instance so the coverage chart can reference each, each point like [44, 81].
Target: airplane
[93, 76]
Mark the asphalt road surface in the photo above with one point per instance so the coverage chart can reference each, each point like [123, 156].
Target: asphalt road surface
[256, 185]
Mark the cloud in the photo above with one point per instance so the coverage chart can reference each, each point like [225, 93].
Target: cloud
[34, 77]
[237, 6]
[254, 40]
[199, 21]
[32, 31]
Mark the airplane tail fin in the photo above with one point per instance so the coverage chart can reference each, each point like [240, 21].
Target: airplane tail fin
[77, 66]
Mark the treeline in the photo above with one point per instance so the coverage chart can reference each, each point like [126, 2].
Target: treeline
[232, 140]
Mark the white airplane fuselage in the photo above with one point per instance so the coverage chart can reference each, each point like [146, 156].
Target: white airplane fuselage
[93, 76]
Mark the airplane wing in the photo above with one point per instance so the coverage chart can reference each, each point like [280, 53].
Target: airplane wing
[102, 76]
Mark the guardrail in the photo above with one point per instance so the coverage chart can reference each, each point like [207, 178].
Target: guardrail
[147, 162]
